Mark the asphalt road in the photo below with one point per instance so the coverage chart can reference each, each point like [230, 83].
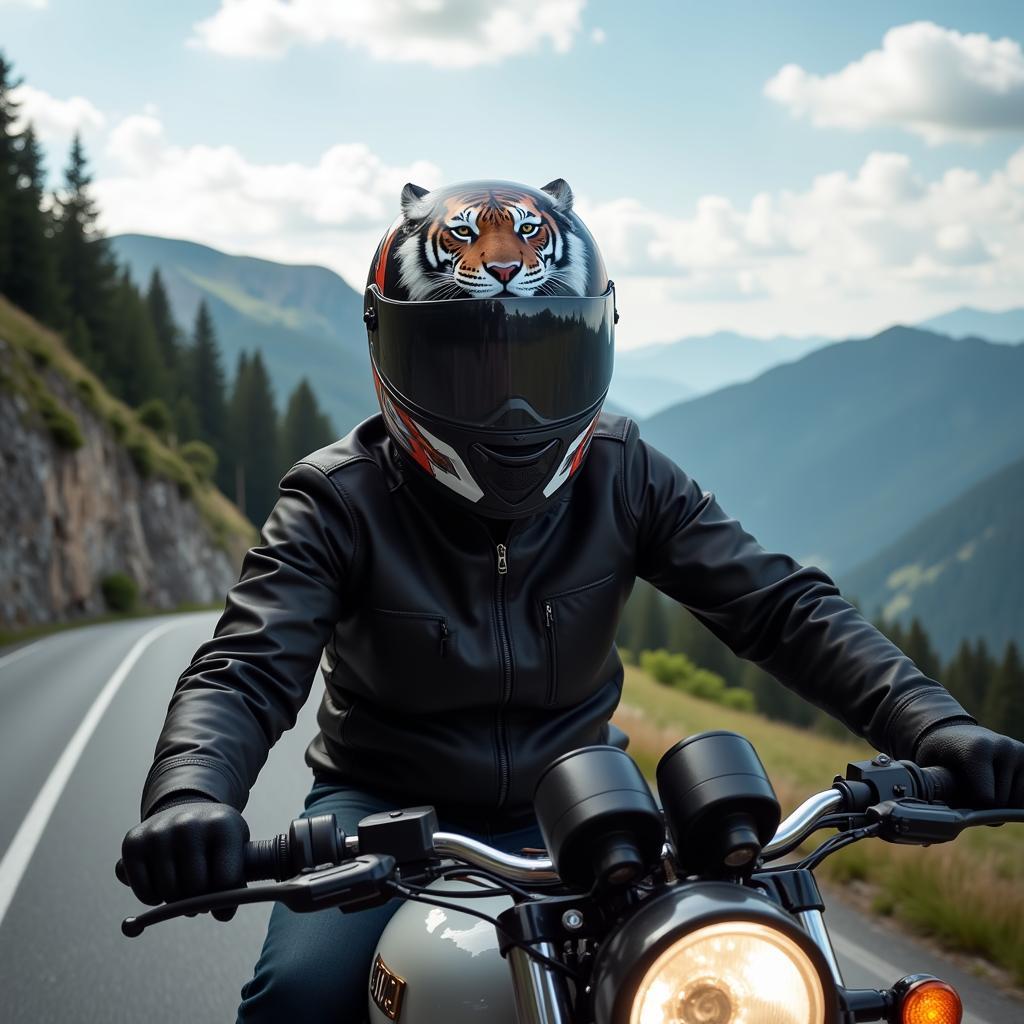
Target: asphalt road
[62, 956]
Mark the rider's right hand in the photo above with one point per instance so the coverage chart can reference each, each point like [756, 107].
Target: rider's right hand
[187, 849]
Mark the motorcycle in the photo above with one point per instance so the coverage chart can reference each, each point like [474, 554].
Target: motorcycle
[635, 913]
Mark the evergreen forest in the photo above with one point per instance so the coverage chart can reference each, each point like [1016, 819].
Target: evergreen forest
[56, 265]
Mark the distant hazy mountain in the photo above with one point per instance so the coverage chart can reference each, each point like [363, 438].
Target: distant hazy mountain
[960, 571]
[306, 321]
[832, 457]
[967, 322]
[645, 395]
[654, 377]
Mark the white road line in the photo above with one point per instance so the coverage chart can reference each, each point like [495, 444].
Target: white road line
[883, 970]
[23, 845]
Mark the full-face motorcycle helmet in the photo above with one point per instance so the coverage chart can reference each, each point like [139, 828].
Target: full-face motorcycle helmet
[491, 327]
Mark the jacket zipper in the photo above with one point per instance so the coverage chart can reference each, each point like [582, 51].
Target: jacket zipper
[549, 623]
[506, 667]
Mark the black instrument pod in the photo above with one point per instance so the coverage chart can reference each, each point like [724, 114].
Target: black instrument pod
[720, 805]
[598, 818]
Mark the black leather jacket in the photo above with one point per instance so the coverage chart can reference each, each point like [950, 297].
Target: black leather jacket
[456, 669]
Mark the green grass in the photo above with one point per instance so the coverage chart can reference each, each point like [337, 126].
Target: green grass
[39, 354]
[968, 894]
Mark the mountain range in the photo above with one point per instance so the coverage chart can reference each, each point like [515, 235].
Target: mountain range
[306, 320]
[968, 322]
[653, 377]
[833, 456]
[958, 570]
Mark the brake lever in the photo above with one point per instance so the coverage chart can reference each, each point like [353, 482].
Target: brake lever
[354, 885]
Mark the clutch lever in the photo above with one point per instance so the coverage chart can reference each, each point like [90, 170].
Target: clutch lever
[354, 885]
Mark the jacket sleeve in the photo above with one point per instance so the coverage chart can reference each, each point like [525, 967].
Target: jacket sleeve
[245, 686]
[788, 619]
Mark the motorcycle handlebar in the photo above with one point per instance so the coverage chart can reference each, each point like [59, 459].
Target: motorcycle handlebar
[313, 842]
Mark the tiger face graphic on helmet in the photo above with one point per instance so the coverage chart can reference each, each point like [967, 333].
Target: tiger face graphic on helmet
[465, 241]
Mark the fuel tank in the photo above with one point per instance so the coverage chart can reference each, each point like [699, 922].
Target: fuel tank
[434, 964]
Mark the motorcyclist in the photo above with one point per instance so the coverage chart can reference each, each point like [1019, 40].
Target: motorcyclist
[460, 562]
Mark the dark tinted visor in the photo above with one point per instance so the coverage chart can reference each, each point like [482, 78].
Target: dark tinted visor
[472, 360]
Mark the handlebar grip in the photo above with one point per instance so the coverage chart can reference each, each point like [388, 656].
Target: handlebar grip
[308, 843]
[267, 859]
[940, 784]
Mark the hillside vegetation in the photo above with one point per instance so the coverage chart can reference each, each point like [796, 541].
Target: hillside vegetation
[969, 894]
[973, 546]
[37, 350]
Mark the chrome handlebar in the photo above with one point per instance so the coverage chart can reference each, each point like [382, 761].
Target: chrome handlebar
[541, 871]
[800, 824]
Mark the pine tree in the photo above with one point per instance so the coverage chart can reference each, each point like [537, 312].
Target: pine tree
[207, 380]
[168, 335]
[186, 419]
[1004, 702]
[253, 438]
[133, 367]
[917, 646]
[8, 173]
[85, 265]
[31, 280]
[231, 457]
[968, 674]
[304, 428]
[647, 627]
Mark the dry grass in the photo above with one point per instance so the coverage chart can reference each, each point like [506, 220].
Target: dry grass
[968, 895]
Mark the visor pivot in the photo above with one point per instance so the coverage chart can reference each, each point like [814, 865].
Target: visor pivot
[370, 318]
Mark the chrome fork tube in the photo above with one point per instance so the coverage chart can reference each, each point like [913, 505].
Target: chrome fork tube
[542, 995]
[813, 922]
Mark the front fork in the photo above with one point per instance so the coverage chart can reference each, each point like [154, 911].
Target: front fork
[542, 995]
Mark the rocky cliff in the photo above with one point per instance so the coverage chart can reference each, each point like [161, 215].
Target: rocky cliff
[87, 493]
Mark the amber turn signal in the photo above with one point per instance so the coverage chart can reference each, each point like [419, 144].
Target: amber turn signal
[930, 1001]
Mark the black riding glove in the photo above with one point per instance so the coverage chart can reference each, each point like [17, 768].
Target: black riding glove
[988, 768]
[186, 849]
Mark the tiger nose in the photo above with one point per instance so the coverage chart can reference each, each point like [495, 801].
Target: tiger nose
[504, 272]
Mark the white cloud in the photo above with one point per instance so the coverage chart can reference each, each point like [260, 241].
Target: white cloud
[55, 119]
[854, 250]
[443, 33]
[936, 82]
[332, 212]
[37, 5]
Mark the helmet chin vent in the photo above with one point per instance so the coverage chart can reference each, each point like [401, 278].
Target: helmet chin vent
[515, 454]
[513, 472]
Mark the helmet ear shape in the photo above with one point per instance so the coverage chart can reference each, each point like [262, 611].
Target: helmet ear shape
[560, 193]
[412, 206]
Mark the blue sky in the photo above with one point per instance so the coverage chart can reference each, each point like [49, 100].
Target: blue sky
[659, 114]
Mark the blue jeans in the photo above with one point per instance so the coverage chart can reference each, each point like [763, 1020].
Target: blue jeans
[315, 967]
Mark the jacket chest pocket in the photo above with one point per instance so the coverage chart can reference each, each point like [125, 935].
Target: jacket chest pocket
[579, 629]
[408, 651]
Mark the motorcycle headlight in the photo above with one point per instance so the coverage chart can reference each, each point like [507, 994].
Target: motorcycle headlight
[712, 953]
[734, 972]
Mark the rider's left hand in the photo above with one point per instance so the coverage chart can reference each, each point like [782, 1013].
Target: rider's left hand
[988, 767]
